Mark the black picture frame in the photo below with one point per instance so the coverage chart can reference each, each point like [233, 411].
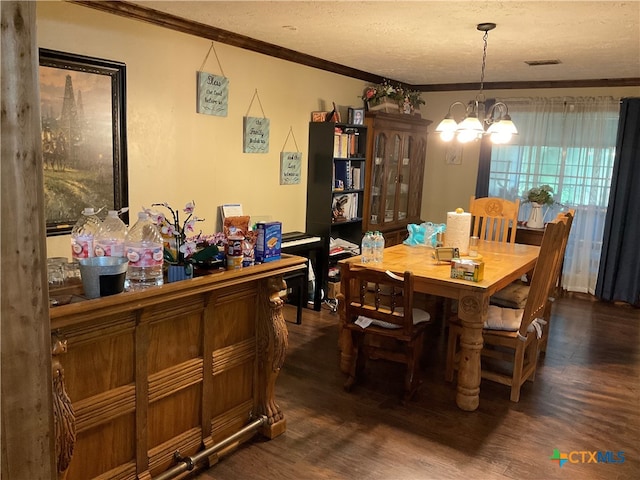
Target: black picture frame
[84, 140]
[356, 116]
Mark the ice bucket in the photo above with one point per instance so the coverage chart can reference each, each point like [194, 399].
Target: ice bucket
[103, 276]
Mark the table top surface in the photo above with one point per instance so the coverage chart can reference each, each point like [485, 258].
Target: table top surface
[503, 263]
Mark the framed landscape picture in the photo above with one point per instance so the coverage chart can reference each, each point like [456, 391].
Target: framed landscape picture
[84, 149]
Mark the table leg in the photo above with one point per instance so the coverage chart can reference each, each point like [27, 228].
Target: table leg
[472, 311]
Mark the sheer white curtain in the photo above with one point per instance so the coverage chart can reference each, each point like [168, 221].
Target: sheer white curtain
[569, 144]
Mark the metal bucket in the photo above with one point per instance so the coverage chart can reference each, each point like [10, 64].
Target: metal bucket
[103, 276]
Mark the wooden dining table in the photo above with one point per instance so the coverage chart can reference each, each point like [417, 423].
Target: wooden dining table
[503, 263]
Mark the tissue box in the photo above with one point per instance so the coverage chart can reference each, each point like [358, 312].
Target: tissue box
[467, 269]
[269, 241]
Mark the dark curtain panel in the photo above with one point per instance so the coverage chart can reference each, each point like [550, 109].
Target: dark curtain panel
[484, 168]
[619, 273]
[484, 162]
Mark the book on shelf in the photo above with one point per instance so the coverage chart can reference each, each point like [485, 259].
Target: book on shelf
[342, 179]
[356, 178]
[344, 207]
[345, 143]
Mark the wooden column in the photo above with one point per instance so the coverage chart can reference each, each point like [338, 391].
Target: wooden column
[27, 418]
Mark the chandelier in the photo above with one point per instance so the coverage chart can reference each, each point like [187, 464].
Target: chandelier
[497, 122]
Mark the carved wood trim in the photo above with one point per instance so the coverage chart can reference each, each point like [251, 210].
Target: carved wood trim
[232, 356]
[186, 443]
[103, 408]
[64, 418]
[238, 415]
[171, 380]
[272, 337]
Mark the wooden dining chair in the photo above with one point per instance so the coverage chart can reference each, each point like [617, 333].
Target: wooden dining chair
[377, 311]
[494, 219]
[511, 335]
[515, 294]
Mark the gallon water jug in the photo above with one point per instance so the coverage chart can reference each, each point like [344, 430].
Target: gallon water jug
[111, 236]
[144, 249]
[83, 235]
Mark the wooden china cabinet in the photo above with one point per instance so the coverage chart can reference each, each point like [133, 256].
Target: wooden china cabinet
[394, 173]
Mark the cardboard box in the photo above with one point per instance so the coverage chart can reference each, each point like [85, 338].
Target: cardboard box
[466, 269]
[269, 241]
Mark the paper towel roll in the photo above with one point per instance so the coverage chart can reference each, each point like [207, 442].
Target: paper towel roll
[458, 231]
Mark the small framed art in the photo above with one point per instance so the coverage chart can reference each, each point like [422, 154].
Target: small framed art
[356, 116]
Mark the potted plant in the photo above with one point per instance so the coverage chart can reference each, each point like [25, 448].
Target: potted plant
[181, 252]
[538, 197]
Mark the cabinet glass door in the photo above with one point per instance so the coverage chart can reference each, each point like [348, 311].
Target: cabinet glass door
[391, 177]
[418, 147]
[376, 212]
[404, 179]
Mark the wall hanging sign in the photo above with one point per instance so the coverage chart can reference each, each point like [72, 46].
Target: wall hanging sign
[290, 163]
[212, 90]
[256, 130]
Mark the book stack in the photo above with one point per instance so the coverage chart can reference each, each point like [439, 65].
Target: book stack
[345, 143]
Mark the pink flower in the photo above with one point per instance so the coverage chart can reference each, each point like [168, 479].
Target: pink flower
[190, 226]
[188, 248]
[189, 207]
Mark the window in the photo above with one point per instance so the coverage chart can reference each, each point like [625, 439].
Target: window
[569, 144]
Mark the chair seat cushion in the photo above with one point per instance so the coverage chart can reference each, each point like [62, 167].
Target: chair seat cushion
[503, 318]
[513, 295]
[419, 316]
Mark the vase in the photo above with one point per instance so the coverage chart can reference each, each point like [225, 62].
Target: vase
[536, 216]
[179, 272]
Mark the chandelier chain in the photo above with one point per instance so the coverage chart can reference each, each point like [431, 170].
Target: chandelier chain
[484, 60]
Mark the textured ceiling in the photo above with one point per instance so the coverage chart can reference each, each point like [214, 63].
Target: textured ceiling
[436, 42]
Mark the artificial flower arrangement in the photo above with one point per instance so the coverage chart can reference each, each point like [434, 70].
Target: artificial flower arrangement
[400, 94]
[180, 248]
[542, 195]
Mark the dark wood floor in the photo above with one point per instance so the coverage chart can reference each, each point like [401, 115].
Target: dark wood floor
[585, 398]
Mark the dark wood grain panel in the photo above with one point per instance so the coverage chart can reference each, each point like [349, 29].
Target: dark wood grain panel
[103, 449]
[100, 365]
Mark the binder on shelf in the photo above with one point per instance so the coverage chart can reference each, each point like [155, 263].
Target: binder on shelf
[356, 177]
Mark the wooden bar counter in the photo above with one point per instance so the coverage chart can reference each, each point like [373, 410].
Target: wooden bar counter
[141, 376]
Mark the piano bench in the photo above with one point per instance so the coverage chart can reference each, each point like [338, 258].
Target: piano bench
[297, 281]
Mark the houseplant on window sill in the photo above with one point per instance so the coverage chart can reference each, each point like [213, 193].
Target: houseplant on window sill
[181, 253]
[392, 99]
[539, 197]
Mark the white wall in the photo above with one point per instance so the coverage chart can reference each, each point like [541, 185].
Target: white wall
[176, 155]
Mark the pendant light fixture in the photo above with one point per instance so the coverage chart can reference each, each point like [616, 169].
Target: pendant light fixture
[497, 122]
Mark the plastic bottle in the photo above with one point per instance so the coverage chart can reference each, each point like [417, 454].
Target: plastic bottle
[110, 238]
[83, 234]
[144, 249]
[366, 249]
[378, 247]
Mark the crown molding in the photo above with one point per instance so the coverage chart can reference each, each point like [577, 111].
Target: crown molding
[149, 15]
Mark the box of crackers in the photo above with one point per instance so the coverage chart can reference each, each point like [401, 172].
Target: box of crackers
[269, 241]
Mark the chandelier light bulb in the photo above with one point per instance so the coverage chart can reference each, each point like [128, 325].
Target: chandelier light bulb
[447, 136]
